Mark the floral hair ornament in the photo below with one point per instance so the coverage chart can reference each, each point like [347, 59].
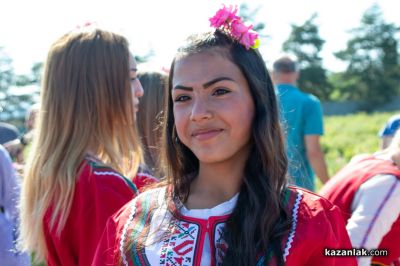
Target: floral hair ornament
[86, 25]
[226, 20]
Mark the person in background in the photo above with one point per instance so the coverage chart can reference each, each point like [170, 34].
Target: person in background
[225, 200]
[84, 145]
[19, 147]
[149, 117]
[388, 130]
[302, 120]
[368, 192]
[9, 215]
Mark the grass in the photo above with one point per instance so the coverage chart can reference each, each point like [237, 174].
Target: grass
[349, 135]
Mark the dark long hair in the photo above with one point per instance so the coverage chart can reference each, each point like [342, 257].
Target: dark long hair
[259, 219]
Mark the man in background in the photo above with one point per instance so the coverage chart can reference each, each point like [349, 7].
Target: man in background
[18, 147]
[387, 132]
[302, 120]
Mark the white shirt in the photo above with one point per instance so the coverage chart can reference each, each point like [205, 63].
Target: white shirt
[375, 208]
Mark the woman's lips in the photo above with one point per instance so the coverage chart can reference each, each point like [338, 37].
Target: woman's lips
[206, 134]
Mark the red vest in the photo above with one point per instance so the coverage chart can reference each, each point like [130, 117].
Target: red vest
[341, 189]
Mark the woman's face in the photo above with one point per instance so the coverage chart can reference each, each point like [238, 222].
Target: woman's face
[213, 107]
[137, 89]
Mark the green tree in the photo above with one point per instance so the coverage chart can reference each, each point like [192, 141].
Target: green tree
[32, 78]
[6, 71]
[249, 14]
[306, 44]
[6, 77]
[14, 98]
[145, 58]
[372, 56]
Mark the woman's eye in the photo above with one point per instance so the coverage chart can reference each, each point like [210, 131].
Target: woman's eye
[133, 78]
[220, 91]
[181, 98]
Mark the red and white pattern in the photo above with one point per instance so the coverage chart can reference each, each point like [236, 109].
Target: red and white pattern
[175, 236]
[220, 244]
[179, 247]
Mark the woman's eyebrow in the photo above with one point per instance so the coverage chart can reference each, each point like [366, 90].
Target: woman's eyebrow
[205, 85]
[209, 83]
[181, 87]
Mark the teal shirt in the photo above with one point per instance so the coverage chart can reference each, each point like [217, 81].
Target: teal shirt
[300, 114]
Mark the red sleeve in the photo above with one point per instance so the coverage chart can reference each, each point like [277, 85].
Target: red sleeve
[107, 252]
[336, 237]
[107, 249]
[143, 180]
[318, 226]
[99, 193]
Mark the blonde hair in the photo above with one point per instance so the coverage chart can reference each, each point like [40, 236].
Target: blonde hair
[86, 105]
[150, 117]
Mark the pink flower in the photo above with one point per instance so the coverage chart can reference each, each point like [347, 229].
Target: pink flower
[238, 28]
[223, 16]
[225, 19]
[243, 33]
[248, 39]
[87, 24]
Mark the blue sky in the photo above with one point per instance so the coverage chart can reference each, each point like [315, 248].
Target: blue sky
[27, 28]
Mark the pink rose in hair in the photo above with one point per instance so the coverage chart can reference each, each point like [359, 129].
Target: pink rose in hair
[248, 39]
[225, 19]
[224, 15]
[238, 28]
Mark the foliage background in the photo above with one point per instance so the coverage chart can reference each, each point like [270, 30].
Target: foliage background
[349, 135]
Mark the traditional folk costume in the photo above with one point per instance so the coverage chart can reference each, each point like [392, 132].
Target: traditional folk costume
[99, 192]
[367, 190]
[151, 230]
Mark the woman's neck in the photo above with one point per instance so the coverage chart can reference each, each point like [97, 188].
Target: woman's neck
[215, 183]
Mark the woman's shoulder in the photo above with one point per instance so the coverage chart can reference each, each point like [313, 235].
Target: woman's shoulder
[96, 174]
[312, 211]
[317, 224]
[146, 201]
[137, 213]
[310, 200]
[144, 181]
[132, 220]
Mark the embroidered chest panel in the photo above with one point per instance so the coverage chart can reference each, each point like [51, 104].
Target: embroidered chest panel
[179, 248]
[184, 238]
[184, 243]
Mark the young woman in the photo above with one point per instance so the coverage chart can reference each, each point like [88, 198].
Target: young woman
[225, 201]
[84, 142]
[149, 117]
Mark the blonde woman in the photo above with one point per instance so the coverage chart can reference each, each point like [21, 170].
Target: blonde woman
[86, 142]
